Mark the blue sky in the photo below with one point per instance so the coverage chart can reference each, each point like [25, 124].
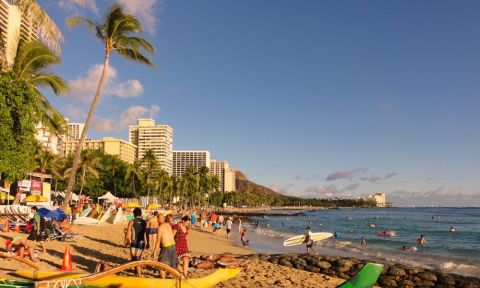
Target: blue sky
[311, 98]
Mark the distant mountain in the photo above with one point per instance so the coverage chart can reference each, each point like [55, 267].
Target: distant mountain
[246, 186]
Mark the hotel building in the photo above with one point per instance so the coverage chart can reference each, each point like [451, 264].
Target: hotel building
[74, 131]
[225, 174]
[14, 27]
[109, 145]
[183, 159]
[146, 135]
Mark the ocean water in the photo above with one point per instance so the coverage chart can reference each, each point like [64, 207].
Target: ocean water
[457, 252]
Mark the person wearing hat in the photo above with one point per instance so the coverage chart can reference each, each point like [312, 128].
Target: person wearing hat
[229, 224]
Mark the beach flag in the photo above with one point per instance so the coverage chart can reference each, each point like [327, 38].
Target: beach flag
[7, 226]
[67, 260]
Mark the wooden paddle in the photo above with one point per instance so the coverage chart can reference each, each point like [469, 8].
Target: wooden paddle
[96, 276]
[20, 259]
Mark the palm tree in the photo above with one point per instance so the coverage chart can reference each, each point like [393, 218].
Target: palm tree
[88, 165]
[134, 175]
[116, 34]
[169, 188]
[160, 177]
[32, 61]
[150, 167]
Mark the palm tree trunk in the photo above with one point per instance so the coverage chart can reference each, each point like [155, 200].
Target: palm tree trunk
[83, 181]
[93, 107]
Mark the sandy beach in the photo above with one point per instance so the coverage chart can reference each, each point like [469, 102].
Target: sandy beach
[105, 242]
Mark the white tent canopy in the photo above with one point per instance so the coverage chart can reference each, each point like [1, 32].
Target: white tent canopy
[108, 196]
[62, 194]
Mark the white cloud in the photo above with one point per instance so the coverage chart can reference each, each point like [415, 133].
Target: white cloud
[127, 117]
[84, 87]
[73, 5]
[144, 10]
[345, 174]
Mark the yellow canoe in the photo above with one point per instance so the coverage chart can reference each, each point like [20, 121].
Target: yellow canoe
[133, 282]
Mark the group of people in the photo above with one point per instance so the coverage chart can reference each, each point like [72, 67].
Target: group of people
[162, 235]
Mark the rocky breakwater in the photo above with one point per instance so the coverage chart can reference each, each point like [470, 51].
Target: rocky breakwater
[392, 276]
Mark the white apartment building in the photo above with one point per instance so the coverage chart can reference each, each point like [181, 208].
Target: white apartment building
[12, 28]
[147, 135]
[225, 174]
[49, 140]
[74, 131]
[183, 159]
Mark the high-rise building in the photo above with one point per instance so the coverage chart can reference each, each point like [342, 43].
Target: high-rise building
[14, 27]
[225, 174]
[74, 131]
[112, 146]
[183, 159]
[146, 135]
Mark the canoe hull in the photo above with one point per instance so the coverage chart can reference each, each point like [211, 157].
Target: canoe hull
[132, 282]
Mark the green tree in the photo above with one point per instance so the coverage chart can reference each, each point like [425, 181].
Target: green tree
[19, 111]
[116, 34]
[150, 167]
[133, 175]
[88, 165]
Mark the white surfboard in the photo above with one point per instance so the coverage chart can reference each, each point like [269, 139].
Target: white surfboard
[300, 239]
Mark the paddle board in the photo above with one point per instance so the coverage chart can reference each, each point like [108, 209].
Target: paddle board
[300, 239]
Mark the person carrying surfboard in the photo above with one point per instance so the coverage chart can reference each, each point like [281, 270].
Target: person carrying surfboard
[309, 240]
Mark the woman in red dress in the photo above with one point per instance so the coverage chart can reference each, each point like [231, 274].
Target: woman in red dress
[180, 232]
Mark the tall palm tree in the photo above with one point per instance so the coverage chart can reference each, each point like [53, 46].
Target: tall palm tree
[116, 34]
[89, 164]
[133, 175]
[150, 167]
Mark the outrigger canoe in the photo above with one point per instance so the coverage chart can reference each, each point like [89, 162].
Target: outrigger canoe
[40, 279]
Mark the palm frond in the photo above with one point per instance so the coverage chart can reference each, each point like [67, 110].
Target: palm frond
[53, 81]
[135, 43]
[77, 20]
[134, 55]
[49, 32]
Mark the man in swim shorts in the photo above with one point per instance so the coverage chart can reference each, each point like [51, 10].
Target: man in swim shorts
[152, 226]
[135, 235]
[309, 240]
[165, 240]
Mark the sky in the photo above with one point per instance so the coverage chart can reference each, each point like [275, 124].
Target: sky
[310, 98]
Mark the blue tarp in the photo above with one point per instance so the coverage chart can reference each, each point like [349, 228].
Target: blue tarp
[57, 213]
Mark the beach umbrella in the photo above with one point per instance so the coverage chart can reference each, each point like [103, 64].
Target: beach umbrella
[131, 205]
[51, 214]
[153, 206]
[36, 198]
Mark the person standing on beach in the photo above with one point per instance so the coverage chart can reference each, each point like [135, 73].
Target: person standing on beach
[135, 235]
[229, 226]
[240, 229]
[363, 241]
[36, 234]
[180, 232]
[152, 226]
[243, 239]
[309, 240]
[165, 240]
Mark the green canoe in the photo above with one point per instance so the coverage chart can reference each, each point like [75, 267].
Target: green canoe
[365, 278]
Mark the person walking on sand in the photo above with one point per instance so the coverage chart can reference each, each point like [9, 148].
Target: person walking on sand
[36, 234]
[135, 235]
[180, 232]
[165, 241]
[422, 240]
[229, 224]
[309, 240]
[152, 226]
[240, 229]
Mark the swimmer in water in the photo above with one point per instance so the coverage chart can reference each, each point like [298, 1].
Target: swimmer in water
[411, 248]
[422, 240]
[452, 229]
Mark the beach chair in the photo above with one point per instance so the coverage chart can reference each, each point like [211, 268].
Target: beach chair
[365, 278]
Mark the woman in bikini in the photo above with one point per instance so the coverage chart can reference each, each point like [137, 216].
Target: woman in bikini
[180, 232]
